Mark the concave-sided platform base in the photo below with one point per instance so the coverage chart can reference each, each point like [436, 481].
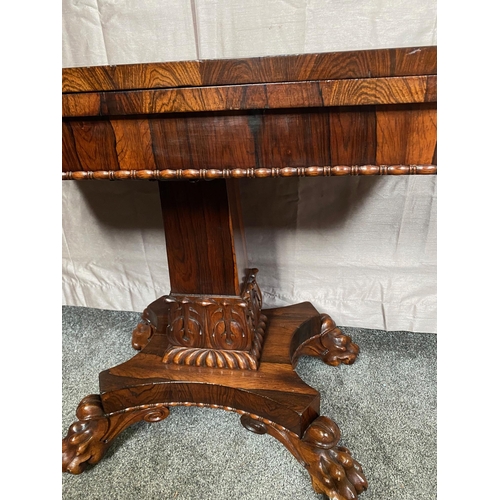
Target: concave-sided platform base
[272, 399]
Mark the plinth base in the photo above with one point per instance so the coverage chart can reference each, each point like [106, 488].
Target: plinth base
[272, 399]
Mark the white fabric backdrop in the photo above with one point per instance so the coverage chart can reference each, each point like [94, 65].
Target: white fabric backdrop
[360, 249]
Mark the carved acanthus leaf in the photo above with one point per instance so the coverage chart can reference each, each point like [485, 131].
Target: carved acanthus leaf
[220, 358]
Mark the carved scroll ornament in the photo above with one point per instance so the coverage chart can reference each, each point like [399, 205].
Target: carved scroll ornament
[90, 436]
[331, 345]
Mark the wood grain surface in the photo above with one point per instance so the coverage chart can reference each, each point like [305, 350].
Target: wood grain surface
[353, 113]
[395, 90]
[200, 238]
[320, 66]
[251, 144]
[274, 392]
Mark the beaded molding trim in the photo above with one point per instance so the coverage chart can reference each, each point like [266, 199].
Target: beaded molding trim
[238, 173]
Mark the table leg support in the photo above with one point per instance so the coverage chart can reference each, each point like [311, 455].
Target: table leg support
[90, 436]
[330, 345]
[271, 399]
[332, 469]
[209, 344]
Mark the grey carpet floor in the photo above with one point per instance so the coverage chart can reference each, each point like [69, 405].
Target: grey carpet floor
[384, 404]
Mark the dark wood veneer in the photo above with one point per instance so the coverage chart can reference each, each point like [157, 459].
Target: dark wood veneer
[357, 92]
[291, 68]
[362, 108]
[206, 264]
[364, 135]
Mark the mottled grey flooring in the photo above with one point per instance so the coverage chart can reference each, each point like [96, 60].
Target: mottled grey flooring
[384, 404]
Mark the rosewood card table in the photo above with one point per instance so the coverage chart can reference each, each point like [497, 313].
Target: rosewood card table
[209, 342]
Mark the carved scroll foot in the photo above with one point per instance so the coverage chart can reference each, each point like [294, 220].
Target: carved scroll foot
[90, 436]
[331, 345]
[141, 335]
[332, 469]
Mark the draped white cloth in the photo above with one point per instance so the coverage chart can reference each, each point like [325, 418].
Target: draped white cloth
[362, 249]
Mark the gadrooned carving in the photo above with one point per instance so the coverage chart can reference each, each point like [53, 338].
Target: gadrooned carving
[212, 358]
[222, 332]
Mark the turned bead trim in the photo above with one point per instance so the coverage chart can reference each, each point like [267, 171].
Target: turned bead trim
[239, 173]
